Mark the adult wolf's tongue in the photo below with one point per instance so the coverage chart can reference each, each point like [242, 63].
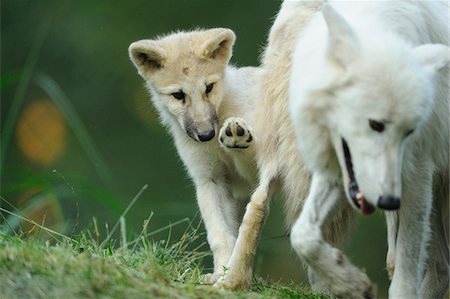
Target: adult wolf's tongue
[365, 207]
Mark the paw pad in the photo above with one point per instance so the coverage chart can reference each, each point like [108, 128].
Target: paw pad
[235, 134]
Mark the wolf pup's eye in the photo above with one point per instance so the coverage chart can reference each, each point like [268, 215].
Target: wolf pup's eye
[376, 125]
[209, 87]
[179, 95]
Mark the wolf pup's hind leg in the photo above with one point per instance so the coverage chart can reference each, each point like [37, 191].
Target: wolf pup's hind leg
[239, 270]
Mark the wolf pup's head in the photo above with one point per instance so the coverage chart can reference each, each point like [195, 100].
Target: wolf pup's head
[362, 101]
[184, 73]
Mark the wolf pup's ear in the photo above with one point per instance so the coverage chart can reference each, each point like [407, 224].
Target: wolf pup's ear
[147, 56]
[219, 44]
[343, 44]
[433, 57]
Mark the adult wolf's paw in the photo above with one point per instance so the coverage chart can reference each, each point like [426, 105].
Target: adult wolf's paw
[390, 263]
[235, 133]
[227, 282]
[354, 286]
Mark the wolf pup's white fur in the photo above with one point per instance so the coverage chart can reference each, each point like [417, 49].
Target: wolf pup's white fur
[370, 104]
[196, 93]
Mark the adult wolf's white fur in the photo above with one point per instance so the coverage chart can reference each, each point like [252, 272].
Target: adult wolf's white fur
[195, 93]
[369, 101]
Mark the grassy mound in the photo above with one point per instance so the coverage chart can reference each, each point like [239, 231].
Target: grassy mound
[84, 268]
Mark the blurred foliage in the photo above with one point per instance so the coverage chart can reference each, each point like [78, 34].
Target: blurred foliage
[83, 132]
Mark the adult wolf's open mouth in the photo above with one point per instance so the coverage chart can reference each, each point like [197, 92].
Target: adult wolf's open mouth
[353, 190]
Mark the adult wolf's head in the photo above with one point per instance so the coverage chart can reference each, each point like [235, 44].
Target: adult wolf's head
[358, 102]
[184, 73]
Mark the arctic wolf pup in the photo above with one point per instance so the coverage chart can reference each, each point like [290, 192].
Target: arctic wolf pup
[369, 101]
[196, 93]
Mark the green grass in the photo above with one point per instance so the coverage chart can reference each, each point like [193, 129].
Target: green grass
[83, 267]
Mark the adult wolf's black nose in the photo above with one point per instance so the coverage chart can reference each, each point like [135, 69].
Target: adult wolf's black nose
[208, 136]
[388, 202]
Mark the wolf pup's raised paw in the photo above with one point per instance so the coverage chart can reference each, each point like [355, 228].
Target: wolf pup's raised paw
[235, 134]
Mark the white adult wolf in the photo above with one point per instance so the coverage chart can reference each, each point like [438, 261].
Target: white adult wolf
[369, 99]
[196, 92]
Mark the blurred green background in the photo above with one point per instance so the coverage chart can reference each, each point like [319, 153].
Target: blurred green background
[80, 137]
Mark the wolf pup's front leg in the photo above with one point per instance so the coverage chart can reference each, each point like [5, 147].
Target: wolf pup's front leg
[220, 215]
[235, 134]
[237, 140]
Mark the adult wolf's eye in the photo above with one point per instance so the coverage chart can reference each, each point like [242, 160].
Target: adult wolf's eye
[209, 87]
[376, 125]
[179, 95]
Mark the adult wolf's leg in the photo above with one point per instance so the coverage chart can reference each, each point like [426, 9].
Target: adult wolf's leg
[329, 264]
[436, 280]
[221, 217]
[413, 232]
[392, 229]
[239, 271]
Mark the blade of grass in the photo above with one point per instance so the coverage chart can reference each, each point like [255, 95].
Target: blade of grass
[123, 233]
[87, 191]
[143, 231]
[24, 83]
[58, 96]
[169, 226]
[18, 215]
[12, 223]
[136, 197]
[51, 232]
[97, 233]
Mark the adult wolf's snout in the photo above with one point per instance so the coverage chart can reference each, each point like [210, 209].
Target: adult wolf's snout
[388, 202]
[207, 136]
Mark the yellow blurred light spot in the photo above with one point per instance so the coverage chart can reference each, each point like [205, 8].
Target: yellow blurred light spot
[41, 132]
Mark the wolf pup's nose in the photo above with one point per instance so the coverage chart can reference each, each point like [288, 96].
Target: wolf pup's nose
[388, 202]
[208, 136]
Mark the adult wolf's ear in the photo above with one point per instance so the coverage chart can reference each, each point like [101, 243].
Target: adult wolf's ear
[433, 57]
[343, 44]
[219, 44]
[147, 56]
